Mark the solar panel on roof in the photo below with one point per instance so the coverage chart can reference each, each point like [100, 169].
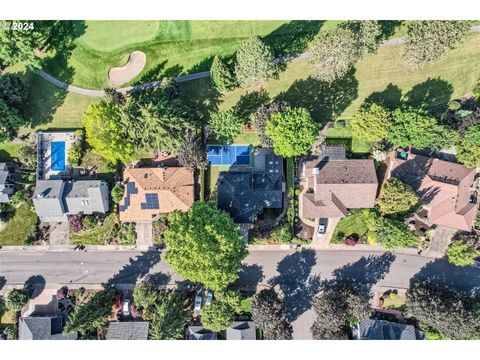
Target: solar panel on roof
[151, 202]
[131, 189]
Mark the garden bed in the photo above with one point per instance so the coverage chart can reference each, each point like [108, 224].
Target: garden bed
[97, 236]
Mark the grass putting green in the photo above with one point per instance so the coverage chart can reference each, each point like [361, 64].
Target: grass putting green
[16, 230]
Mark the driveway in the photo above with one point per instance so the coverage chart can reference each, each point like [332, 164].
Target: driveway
[144, 235]
[321, 242]
[440, 240]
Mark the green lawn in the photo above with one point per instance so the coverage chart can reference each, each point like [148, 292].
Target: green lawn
[394, 302]
[16, 230]
[251, 138]
[8, 151]
[212, 177]
[352, 224]
[95, 236]
[341, 135]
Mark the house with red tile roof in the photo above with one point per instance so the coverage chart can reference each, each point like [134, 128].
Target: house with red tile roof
[446, 189]
[153, 191]
[333, 184]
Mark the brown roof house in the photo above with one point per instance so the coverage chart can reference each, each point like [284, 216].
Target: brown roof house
[333, 184]
[152, 191]
[446, 189]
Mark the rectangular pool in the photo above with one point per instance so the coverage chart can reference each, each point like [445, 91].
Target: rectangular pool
[58, 156]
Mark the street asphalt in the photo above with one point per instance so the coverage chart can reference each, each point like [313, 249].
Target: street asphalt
[298, 274]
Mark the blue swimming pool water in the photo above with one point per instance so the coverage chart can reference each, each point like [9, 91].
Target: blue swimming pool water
[58, 157]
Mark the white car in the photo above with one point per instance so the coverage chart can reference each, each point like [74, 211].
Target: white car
[126, 308]
[198, 303]
[208, 297]
[322, 227]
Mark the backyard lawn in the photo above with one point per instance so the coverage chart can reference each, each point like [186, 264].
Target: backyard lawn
[95, 236]
[212, 177]
[249, 138]
[16, 230]
[8, 151]
[343, 135]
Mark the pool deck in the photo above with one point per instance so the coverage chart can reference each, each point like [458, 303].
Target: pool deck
[44, 154]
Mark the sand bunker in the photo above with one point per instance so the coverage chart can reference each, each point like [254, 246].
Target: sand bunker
[121, 75]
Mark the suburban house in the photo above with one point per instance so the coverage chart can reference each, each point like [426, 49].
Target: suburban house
[242, 330]
[446, 189]
[7, 187]
[200, 333]
[245, 192]
[54, 200]
[43, 328]
[332, 184]
[128, 330]
[386, 330]
[153, 191]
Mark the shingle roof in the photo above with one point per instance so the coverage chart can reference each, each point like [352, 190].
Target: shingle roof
[337, 185]
[244, 194]
[42, 328]
[129, 330]
[3, 173]
[386, 330]
[444, 186]
[242, 330]
[174, 187]
[200, 333]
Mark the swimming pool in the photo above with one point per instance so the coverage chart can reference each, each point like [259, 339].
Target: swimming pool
[58, 157]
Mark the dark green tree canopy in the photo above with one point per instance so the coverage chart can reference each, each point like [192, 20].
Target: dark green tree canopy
[396, 197]
[268, 313]
[261, 116]
[254, 63]
[428, 41]
[393, 234]
[10, 122]
[205, 246]
[12, 90]
[17, 299]
[192, 154]
[222, 78]
[226, 126]
[220, 314]
[468, 149]
[292, 131]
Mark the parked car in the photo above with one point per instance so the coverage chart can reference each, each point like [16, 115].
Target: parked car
[126, 308]
[208, 297]
[198, 303]
[322, 227]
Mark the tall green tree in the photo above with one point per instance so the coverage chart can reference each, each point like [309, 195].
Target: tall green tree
[428, 41]
[261, 116]
[337, 308]
[396, 197]
[292, 131]
[220, 314]
[462, 252]
[226, 126]
[367, 33]
[12, 90]
[222, 78]
[92, 314]
[393, 234]
[254, 63]
[370, 122]
[205, 246]
[145, 298]
[416, 127]
[17, 299]
[10, 122]
[451, 312]
[170, 316]
[468, 149]
[268, 313]
[105, 133]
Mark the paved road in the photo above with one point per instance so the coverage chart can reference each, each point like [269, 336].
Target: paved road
[298, 274]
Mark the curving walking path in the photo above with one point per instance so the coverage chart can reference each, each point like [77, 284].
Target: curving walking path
[184, 78]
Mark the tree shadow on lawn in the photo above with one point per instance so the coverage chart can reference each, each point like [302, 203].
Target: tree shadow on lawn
[466, 278]
[432, 95]
[390, 98]
[249, 103]
[293, 37]
[296, 282]
[324, 100]
[136, 269]
[388, 27]
[364, 273]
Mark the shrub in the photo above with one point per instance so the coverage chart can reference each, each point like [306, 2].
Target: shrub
[75, 223]
[126, 234]
[117, 192]
[454, 105]
[18, 197]
[461, 253]
[17, 299]
[90, 221]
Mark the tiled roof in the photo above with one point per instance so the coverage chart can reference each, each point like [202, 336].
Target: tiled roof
[174, 187]
[443, 186]
[338, 185]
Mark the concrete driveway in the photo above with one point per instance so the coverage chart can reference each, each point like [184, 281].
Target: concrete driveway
[144, 234]
[440, 240]
[321, 242]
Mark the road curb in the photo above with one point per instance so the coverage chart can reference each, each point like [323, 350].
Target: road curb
[45, 248]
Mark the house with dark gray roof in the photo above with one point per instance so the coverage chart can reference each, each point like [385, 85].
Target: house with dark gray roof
[200, 333]
[242, 330]
[245, 193]
[7, 187]
[54, 200]
[386, 330]
[43, 328]
[128, 330]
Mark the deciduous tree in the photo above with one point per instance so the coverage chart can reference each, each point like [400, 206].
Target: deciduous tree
[226, 126]
[396, 197]
[204, 245]
[462, 252]
[10, 122]
[393, 234]
[17, 299]
[468, 149]
[370, 122]
[268, 313]
[12, 90]
[292, 131]
[192, 153]
[118, 191]
[254, 63]
[428, 41]
[261, 117]
[220, 314]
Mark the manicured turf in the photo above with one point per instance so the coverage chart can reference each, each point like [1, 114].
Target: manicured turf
[18, 227]
[251, 138]
[358, 146]
[96, 236]
[8, 151]
[352, 224]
